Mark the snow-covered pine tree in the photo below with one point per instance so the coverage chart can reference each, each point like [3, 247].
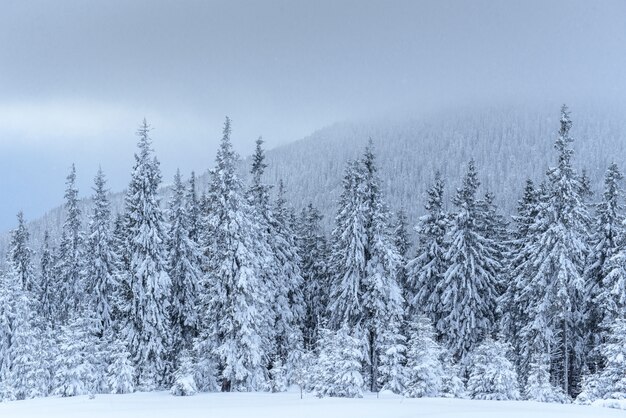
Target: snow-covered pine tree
[284, 277]
[100, 268]
[22, 373]
[348, 261]
[234, 305]
[80, 364]
[147, 290]
[610, 383]
[364, 289]
[424, 369]
[20, 256]
[606, 243]
[192, 207]
[492, 376]
[289, 321]
[401, 238]
[538, 386]
[550, 278]
[120, 371]
[426, 270]
[184, 376]
[339, 364]
[184, 268]
[469, 288]
[70, 260]
[513, 314]
[46, 284]
[314, 269]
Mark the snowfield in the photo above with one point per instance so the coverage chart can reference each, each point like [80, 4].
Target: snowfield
[288, 405]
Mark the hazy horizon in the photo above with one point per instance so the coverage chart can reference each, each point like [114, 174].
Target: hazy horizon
[78, 78]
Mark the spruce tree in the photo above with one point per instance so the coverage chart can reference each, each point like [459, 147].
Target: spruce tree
[184, 268]
[403, 244]
[288, 288]
[550, 278]
[469, 288]
[315, 271]
[22, 372]
[426, 270]
[235, 302]
[425, 370]
[364, 289]
[492, 376]
[339, 364]
[147, 289]
[606, 243]
[101, 279]
[70, 261]
[192, 207]
[46, 288]
[20, 255]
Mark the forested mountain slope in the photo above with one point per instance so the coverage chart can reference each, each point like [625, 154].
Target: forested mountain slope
[509, 144]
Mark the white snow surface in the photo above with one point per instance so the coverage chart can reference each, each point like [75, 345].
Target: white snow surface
[289, 405]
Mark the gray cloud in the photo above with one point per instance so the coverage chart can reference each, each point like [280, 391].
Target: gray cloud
[77, 76]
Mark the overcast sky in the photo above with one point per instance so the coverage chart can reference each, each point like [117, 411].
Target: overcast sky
[77, 77]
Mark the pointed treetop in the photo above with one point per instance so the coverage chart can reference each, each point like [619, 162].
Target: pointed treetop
[465, 196]
[258, 160]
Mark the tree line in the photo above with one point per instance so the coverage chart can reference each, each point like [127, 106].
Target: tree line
[232, 290]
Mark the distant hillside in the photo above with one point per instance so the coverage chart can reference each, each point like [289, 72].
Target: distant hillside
[508, 144]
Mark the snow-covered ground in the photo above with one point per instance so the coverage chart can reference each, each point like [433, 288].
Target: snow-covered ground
[288, 405]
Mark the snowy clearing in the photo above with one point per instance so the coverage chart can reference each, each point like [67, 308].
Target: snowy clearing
[288, 405]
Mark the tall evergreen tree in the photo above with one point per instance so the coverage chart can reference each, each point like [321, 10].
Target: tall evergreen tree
[101, 280]
[235, 301]
[46, 287]
[551, 277]
[148, 286]
[192, 207]
[403, 244]
[20, 255]
[289, 300]
[184, 267]
[426, 270]
[314, 267]
[70, 266]
[606, 243]
[469, 288]
[364, 289]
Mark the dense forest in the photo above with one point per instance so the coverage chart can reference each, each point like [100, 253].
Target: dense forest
[229, 287]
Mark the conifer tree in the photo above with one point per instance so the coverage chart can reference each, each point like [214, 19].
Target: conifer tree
[288, 288]
[235, 302]
[364, 290]
[46, 286]
[339, 364]
[184, 268]
[70, 268]
[606, 244]
[469, 288]
[101, 280]
[425, 372]
[22, 374]
[403, 244]
[513, 314]
[551, 276]
[20, 255]
[426, 270]
[147, 289]
[492, 376]
[120, 371]
[314, 269]
[192, 207]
